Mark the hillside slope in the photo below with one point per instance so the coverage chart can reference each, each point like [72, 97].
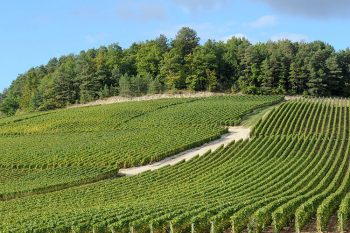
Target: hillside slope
[54, 150]
[295, 168]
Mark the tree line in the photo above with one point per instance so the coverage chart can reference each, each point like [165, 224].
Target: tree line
[163, 65]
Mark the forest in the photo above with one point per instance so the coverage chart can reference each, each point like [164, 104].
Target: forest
[183, 63]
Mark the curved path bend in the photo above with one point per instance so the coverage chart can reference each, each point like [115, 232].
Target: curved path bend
[235, 133]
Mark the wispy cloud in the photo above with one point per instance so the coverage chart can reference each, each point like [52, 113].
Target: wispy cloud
[264, 21]
[141, 12]
[289, 36]
[195, 6]
[322, 9]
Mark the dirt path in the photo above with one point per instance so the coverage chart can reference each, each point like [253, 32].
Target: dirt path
[235, 133]
[120, 99]
[292, 97]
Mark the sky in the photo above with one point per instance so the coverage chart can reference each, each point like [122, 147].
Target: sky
[33, 31]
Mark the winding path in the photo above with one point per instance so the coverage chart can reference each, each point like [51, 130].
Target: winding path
[235, 133]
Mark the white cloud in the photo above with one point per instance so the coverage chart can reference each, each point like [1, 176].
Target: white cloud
[264, 21]
[237, 35]
[322, 9]
[289, 36]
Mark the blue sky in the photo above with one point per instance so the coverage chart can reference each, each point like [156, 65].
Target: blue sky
[33, 31]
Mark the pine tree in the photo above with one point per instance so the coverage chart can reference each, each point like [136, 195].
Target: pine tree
[154, 86]
[334, 76]
[124, 85]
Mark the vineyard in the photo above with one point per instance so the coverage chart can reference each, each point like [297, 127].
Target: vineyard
[49, 151]
[120, 135]
[293, 174]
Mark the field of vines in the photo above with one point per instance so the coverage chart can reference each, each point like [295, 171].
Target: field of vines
[24, 182]
[48, 151]
[119, 135]
[292, 174]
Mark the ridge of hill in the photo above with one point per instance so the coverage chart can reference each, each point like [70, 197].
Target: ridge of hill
[158, 66]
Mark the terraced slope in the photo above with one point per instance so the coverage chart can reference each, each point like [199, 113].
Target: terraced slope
[294, 169]
[54, 150]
